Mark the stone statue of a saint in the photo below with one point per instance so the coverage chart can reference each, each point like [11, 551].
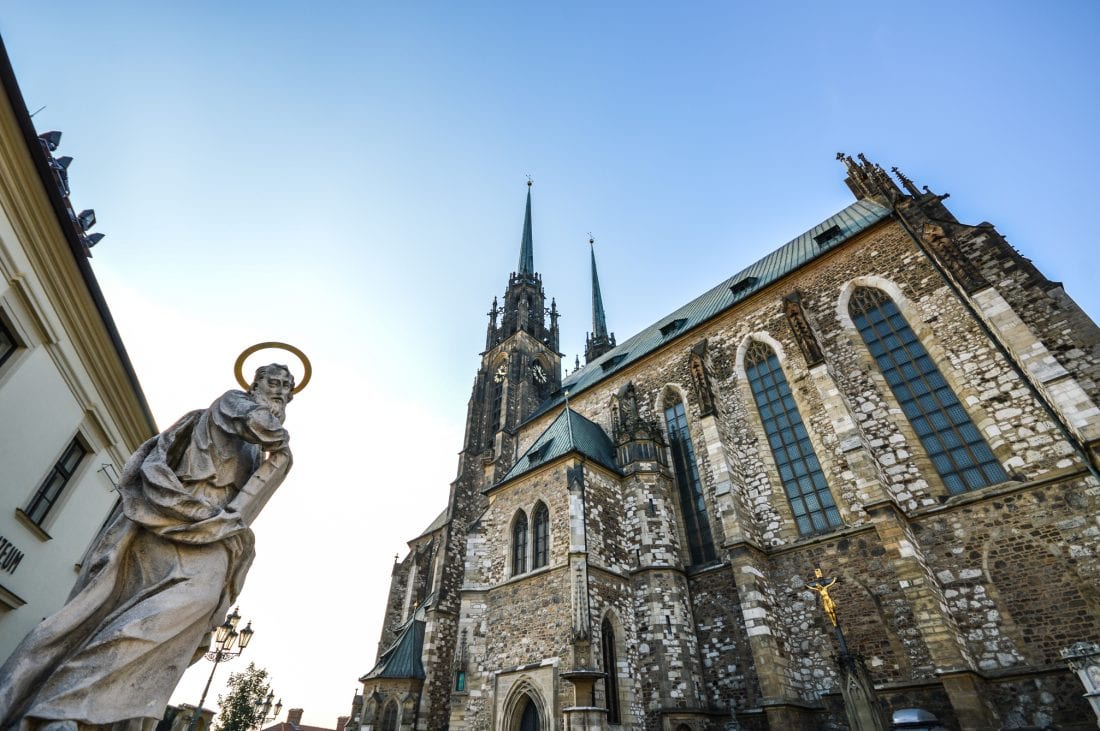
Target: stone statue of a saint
[162, 573]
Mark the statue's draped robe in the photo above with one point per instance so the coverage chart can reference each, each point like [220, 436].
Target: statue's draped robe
[160, 576]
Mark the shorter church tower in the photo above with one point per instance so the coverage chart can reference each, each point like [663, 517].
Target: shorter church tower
[599, 341]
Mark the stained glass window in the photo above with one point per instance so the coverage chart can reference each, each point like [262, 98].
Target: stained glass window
[954, 445]
[799, 471]
[610, 666]
[692, 505]
[519, 544]
[542, 536]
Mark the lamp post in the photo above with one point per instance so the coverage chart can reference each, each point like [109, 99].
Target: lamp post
[225, 638]
[264, 706]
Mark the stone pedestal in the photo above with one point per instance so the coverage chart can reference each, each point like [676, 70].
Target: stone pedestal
[1084, 659]
[584, 715]
[860, 703]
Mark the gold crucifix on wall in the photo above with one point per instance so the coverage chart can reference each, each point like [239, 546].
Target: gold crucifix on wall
[821, 587]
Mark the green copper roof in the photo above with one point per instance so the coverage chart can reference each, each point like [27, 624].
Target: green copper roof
[798, 252]
[526, 245]
[599, 320]
[402, 658]
[570, 432]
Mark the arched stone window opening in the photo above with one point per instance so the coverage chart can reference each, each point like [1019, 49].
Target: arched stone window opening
[692, 505]
[496, 404]
[610, 666]
[519, 544]
[542, 537]
[799, 470]
[956, 448]
[389, 716]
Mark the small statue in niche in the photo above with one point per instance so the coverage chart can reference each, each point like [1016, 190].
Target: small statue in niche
[951, 257]
[800, 327]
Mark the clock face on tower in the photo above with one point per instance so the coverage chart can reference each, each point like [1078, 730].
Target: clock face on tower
[538, 373]
[501, 374]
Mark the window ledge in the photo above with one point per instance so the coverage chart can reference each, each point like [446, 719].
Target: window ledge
[10, 599]
[38, 531]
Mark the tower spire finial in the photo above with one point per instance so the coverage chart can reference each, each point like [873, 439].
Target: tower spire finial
[599, 342]
[527, 246]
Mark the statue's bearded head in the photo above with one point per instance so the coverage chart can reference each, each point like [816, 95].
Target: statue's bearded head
[273, 387]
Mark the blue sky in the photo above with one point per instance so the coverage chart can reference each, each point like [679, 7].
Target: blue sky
[350, 178]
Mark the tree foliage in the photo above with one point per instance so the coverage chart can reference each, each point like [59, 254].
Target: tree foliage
[240, 708]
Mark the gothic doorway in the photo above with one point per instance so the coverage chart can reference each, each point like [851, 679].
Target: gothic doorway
[529, 721]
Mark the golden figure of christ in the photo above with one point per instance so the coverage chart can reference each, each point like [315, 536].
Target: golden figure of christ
[821, 588]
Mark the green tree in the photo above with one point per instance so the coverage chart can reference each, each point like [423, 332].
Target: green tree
[240, 708]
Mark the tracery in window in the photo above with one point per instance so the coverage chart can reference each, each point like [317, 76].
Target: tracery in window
[799, 470]
[389, 717]
[519, 544]
[542, 536]
[954, 445]
[692, 505]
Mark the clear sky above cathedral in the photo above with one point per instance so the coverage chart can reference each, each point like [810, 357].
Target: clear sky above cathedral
[350, 177]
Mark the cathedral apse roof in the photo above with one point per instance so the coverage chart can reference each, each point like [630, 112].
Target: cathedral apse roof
[402, 658]
[570, 432]
[796, 253]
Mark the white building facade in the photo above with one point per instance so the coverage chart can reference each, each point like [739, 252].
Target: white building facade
[71, 408]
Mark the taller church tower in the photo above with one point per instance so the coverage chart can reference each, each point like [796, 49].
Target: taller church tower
[420, 647]
[520, 366]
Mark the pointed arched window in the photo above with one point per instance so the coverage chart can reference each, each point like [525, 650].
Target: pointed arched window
[519, 544]
[389, 717]
[496, 402]
[957, 449]
[610, 666]
[799, 471]
[542, 536]
[692, 505]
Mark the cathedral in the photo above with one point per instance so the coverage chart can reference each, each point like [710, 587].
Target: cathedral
[878, 442]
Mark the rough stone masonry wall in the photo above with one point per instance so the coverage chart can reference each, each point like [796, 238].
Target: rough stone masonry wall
[612, 540]
[668, 648]
[871, 605]
[1020, 571]
[1061, 325]
[611, 597]
[729, 678]
[511, 620]
[495, 525]
[395, 601]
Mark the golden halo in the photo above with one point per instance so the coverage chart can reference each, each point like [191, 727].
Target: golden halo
[306, 365]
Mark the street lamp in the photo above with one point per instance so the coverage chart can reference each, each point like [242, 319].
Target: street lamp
[263, 707]
[226, 637]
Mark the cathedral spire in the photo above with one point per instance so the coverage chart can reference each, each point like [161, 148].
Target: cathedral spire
[527, 246]
[599, 342]
[599, 319]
